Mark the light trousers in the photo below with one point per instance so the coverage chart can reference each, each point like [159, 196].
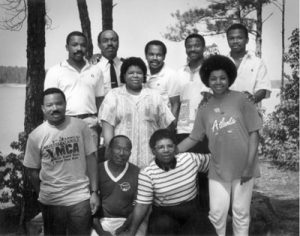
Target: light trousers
[220, 195]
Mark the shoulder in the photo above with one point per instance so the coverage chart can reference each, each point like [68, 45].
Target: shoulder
[38, 131]
[133, 168]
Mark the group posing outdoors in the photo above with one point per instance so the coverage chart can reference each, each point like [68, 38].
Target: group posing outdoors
[180, 146]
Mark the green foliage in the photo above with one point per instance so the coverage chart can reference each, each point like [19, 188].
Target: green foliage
[10, 74]
[214, 19]
[11, 174]
[11, 182]
[280, 137]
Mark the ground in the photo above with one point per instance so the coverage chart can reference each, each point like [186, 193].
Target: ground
[274, 210]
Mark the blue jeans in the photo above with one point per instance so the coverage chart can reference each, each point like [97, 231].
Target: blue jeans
[67, 220]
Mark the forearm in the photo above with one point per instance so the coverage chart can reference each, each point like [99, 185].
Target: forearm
[259, 95]
[92, 171]
[252, 148]
[34, 179]
[139, 213]
[186, 144]
[175, 104]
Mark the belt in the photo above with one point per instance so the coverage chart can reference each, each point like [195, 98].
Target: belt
[83, 116]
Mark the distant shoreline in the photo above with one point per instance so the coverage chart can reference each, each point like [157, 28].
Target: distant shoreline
[13, 85]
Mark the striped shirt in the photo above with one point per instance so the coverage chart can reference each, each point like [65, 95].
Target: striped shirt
[173, 187]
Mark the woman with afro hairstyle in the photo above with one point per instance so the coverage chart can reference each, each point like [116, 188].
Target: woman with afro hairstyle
[231, 123]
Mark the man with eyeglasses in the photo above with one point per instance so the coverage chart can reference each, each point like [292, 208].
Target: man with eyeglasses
[118, 186]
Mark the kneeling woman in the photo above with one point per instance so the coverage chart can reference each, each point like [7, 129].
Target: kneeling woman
[169, 183]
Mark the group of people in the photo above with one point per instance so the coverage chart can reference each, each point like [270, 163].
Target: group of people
[180, 146]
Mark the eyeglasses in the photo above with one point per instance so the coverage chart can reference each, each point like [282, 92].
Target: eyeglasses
[162, 147]
[118, 150]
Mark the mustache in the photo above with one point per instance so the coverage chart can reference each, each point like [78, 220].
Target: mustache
[55, 112]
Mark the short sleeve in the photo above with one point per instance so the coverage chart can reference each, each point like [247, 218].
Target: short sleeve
[262, 79]
[253, 121]
[51, 79]
[145, 188]
[202, 161]
[32, 158]
[108, 109]
[198, 131]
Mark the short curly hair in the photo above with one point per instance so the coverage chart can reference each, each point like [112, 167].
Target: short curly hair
[133, 61]
[218, 62]
[159, 135]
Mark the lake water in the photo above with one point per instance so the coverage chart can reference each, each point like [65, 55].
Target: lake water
[12, 104]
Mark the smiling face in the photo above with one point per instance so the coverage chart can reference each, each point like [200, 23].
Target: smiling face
[218, 81]
[155, 58]
[164, 150]
[194, 49]
[134, 77]
[76, 48]
[120, 151]
[237, 40]
[54, 108]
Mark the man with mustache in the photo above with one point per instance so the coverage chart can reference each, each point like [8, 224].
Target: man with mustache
[81, 82]
[252, 72]
[161, 77]
[109, 62]
[62, 167]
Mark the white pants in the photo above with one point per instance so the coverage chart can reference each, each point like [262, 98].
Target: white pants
[219, 197]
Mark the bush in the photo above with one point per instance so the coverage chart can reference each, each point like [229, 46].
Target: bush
[280, 136]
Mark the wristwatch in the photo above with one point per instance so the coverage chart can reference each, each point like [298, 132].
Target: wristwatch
[95, 191]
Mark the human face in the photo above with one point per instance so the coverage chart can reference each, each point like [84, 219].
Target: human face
[155, 58]
[76, 48]
[218, 81]
[120, 151]
[109, 44]
[134, 77]
[54, 108]
[164, 150]
[237, 40]
[194, 49]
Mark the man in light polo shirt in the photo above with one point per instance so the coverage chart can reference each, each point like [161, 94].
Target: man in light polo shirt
[161, 77]
[252, 75]
[81, 82]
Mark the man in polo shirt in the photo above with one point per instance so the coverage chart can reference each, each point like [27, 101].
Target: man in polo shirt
[81, 82]
[252, 75]
[161, 77]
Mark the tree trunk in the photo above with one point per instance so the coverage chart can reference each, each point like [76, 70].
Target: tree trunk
[85, 26]
[283, 47]
[35, 64]
[107, 19]
[258, 38]
[34, 87]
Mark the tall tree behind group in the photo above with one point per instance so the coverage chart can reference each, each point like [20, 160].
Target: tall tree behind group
[217, 17]
[107, 19]
[35, 63]
[85, 25]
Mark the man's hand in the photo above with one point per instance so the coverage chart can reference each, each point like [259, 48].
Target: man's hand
[94, 202]
[206, 97]
[95, 58]
[246, 176]
[250, 96]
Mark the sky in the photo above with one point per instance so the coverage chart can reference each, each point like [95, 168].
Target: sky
[137, 22]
